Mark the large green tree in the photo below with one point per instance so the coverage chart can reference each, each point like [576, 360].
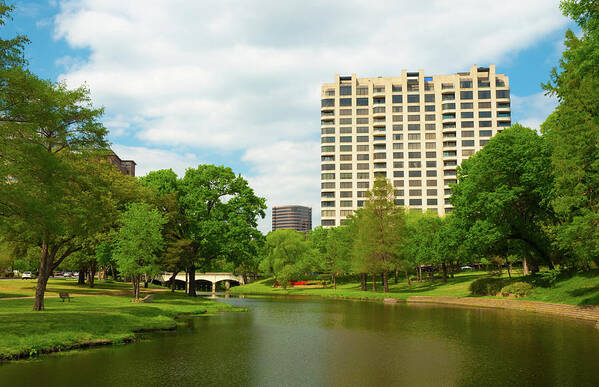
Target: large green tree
[573, 132]
[505, 189]
[138, 242]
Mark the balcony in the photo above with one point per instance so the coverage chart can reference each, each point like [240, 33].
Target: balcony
[449, 144]
[327, 113]
[379, 122]
[504, 114]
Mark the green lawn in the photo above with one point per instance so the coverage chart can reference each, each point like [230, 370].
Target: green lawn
[26, 288]
[580, 289]
[90, 319]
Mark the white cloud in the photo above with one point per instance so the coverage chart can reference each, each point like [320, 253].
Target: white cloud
[245, 75]
[153, 159]
[532, 110]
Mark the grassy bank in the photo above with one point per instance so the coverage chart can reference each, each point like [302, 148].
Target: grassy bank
[579, 289]
[90, 320]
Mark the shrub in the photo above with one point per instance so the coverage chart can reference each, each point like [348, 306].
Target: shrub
[486, 286]
[519, 289]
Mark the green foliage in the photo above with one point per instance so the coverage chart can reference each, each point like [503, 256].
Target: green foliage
[518, 289]
[573, 132]
[486, 286]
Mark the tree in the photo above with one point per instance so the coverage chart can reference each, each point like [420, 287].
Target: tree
[139, 240]
[221, 210]
[333, 247]
[11, 50]
[573, 133]
[506, 190]
[287, 254]
[379, 231]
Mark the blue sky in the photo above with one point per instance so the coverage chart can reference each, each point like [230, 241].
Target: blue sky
[238, 83]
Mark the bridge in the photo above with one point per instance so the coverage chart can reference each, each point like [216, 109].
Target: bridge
[213, 278]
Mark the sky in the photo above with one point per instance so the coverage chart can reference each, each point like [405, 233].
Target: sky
[237, 83]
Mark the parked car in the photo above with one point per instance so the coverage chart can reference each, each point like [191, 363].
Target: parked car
[67, 274]
[466, 267]
[27, 275]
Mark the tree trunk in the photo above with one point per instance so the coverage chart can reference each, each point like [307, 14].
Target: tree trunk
[81, 277]
[363, 282]
[444, 266]
[385, 282]
[509, 269]
[335, 280]
[396, 276]
[408, 278]
[525, 266]
[173, 281]
[42, 281]
[192, 282]
[451, 270]
[419, 273]
[374, 282]
[92, 276]
[112, 271]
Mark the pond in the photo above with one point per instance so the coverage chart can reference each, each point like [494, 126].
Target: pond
[295, 341]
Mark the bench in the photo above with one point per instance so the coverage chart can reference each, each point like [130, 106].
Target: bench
[147, 299]
[64, 296]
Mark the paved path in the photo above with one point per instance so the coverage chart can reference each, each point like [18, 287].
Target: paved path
[580, 312]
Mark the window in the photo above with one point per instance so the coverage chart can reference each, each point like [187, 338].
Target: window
[398, 155]
[484, 114]
[467, 152]
[466, 83]
[326, 140]
[484, 82]
[431, 173]
[431, 155]
[484, 124]
[448, 97]
[431, 192]
[379, 138]
[327, 213]
[362, 129]
[503, 105]
[345, 102]
[414, 109]
[414, 145]
[413, 98]
[362, 121]
[397, 98]
[345, 139]
[467, 142]
[466, 105]
[362, 101]
[327, 131]
[379, 89]
[363, 184]
[467, 114]
[363, 175]
[399, 192]
[328, 195]
[360, 203]
[345, 175]
[414, 164]
[429, 117]
[431, 202]
[380, 173]
[431, 145]
[345, 167]
[361, 194]
[345, 129]
[484, 94]
[362, 156]
[362, 90]
[467, 133]
[499, 82]
[484, 105]
[380, 155]
[345, 148]
[415, 174]
[503, 124]
[397, 127]
[448, 106]
[362, 166]
[344, 90]
[345, 194]
[429, 98]
[345, 121]
[413, 126]
[414, 155]
[327, 204]
[397, 118]
[327, 148]
[466, 95]
[483, 142]
[415, 202]
[397, 137]
[398, 183]
[328, 102]
[397, 173]
[467, 124]
[327, 167]
[429, 108]
[485, 133]
[345, 203]
[415, 192]
[345, 157]
[413, 117]
[399, 202]
[415, 183]
[396, 88]
[378, 109]
[503, 94]
[378, 100]
[397, 109]
[362, 138]
[327, 158]
[362, 148]
[398, 164]
[327, 176]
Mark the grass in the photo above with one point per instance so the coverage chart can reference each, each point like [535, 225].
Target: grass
[579, 289]
[90, 320]
[26, 288]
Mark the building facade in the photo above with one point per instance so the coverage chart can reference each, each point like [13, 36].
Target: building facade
[297, 218]
[127, 167]
[413, 129]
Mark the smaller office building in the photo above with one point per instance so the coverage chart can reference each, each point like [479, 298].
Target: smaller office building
[297, 218]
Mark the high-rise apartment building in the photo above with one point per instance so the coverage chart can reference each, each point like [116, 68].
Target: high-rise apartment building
[297, 218]
[413, 129]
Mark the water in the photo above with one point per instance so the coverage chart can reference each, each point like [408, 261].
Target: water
[319, 342]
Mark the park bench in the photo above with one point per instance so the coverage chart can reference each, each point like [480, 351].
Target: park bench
[64, 296]
[148, 298]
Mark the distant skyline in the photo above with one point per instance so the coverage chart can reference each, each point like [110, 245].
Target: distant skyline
[238, 83]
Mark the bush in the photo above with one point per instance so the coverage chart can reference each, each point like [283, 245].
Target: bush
[519, 289]
[486, 286]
